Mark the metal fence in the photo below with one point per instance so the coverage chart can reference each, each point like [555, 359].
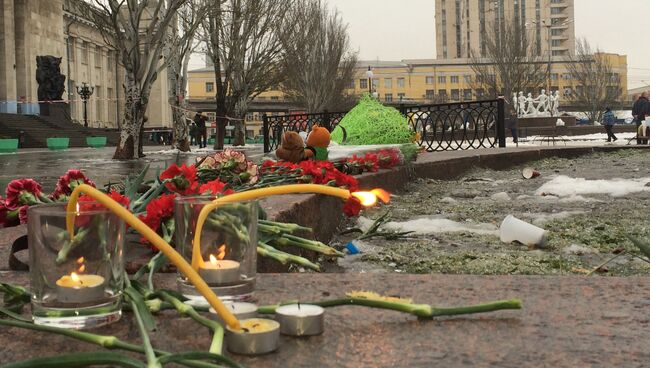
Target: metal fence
[440, 127]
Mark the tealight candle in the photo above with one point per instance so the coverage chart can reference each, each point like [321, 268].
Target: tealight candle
[257, 336]
[300, 319]
[75, 288]
[219, 271]
[241, 310]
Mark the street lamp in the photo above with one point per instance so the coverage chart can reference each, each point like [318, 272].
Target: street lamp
[85, 92]
[369, 74]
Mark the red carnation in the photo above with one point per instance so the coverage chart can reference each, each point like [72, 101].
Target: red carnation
[159, 210]
[87, 204]
[68, 182]
[22, 192]
[214, 187]
[22, 214]
[181, 180]
[352, 207]
[8, 217]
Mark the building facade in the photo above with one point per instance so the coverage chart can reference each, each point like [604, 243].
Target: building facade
[463, 25]
[30, 28]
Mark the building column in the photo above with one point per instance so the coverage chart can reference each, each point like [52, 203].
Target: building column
[7, 57]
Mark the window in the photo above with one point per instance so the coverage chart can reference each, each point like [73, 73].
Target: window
[98, 57]
[388, 97]
[556, 32]
[566, 76]
[109, 103]
[558, 52]
[556, 10]
[275, 98]
[249, 117]
[110, 59]
[363, 83]
[429, 80]
[84, 52]
[429, 94]
[351, 84]
[556, 43]
[442, 79]
[442, 93]
[400, 82]
[71, 48]
[467, 94]
[567, 91]
[455, 94]
[388, 82]
[554, 76]
[209, 86]
[467, 79]
[454, 79]
[98, 103]
[480, 93]
[375, 83]
[401, 96]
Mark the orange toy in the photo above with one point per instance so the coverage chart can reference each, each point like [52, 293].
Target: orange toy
[318, 141]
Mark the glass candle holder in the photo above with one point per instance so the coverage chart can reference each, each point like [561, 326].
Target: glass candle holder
[78, 282]
[228, 249]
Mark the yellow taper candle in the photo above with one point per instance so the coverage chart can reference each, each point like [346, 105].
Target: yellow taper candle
[366, 198]
[158, 242]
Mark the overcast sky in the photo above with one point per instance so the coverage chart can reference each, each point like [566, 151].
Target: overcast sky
[405, 29]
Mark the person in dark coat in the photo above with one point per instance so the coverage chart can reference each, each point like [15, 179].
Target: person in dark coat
[199, 120]
[609, 119]
[640, 110]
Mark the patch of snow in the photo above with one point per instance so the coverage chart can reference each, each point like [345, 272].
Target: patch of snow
[539, 219]
[579, 249]
[502, 196]
[433, 225]
[448, 200]
[565, 186]
[523, 197]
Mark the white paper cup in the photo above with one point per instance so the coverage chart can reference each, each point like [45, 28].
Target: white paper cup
[513, 229]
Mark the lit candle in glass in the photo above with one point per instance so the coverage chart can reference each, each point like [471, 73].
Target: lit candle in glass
[80, 288]
[257, 336]
[219, 270]
[300, 319]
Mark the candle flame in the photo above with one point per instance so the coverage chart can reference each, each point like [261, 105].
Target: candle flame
[74, 277]
[82, 266]
[222, 252]
[213, 259]
[369, 199]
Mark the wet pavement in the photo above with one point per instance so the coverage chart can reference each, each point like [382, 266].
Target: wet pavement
[565, 322]
[47, 166]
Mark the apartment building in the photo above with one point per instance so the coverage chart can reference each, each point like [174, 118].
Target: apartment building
[463, 25]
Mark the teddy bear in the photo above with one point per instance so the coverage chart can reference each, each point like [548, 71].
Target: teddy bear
[292, 147]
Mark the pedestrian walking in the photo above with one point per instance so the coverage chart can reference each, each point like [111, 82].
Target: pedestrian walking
[609, 119]
[199, 120]
[640, 110]
[194, 133]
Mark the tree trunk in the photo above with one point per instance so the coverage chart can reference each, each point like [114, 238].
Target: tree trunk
[241, 107]
[134, 114]
[221, 126]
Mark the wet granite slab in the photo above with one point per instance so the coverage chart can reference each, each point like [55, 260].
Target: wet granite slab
[566, 322]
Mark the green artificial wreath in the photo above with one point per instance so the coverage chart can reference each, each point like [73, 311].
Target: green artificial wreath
[370, 122]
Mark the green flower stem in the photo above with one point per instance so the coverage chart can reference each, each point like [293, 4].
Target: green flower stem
[420, 310]
[216, 346]
[287, 227]
[108, 342]
[272, 230]
[290, 240]
[78, 360]
[268, 251]
[152, 361]
[187, 310]
[69, 245]
[200, 355]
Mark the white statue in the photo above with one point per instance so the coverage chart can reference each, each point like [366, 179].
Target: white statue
[555, 103]
[530, 106]
[522, 105]
[542, 104]
[514, 103]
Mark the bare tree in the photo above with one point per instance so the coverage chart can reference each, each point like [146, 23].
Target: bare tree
[181, 43]
[508, 63]
[596, 85]
[137, 29]
[317, 62]
[241, 39]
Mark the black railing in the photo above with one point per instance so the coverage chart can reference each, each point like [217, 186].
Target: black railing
[273, 127]
[440, 127]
